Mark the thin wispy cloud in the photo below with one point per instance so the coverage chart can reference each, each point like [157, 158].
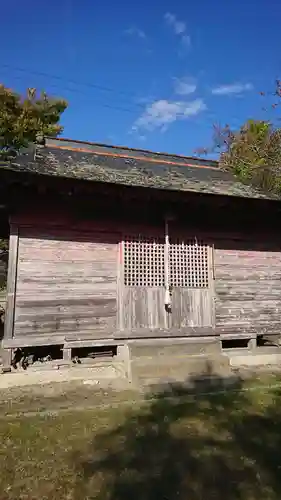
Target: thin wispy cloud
[137, 32]
[162, 113]
[179, 28]
[232, 89]
[184, 86]
[145, 100]
[186, 41]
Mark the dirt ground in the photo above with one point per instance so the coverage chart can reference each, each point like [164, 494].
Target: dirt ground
[205, 440]
[87, 393]
[59, 397]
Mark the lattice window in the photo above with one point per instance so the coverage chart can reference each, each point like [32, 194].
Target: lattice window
[188, 264]
[144, 262]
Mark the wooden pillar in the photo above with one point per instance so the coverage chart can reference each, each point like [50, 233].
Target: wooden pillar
[67, 355]
[120, 286]
[252, 343]
[11, 291]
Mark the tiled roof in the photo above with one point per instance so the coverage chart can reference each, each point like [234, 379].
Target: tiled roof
[107, 164]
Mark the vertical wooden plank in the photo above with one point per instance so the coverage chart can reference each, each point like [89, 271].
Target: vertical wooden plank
[157, 315]
[166, 266]
[11, 282]
[140, 300]
[120, 286]
[144, 308]
[128, 305]
[191, 307]
[211, 260]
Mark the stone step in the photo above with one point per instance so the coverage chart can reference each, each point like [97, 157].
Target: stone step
[254, 359]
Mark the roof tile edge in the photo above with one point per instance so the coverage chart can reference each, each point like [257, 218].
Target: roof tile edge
[57, 141]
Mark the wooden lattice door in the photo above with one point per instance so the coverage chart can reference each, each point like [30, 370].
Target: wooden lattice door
[145, 271]
[142, 291]
[191, 280]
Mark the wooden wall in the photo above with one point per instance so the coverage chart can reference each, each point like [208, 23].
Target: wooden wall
[248, 285]
[70, 284]
[66, 283]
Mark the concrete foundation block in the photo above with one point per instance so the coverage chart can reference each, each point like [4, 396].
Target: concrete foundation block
[178, 368]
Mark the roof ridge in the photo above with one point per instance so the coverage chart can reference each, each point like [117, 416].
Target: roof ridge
[51, 140]
[129, 157]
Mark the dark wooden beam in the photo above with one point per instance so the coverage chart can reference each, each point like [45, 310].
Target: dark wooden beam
[11, 293]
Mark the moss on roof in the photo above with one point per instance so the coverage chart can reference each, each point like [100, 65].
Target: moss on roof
[99, 163]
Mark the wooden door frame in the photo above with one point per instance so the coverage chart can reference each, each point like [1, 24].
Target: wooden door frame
[121, 286]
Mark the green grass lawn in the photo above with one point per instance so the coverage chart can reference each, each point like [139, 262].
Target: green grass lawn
[188, 444]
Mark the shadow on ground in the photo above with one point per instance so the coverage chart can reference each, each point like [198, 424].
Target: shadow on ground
[189, 443]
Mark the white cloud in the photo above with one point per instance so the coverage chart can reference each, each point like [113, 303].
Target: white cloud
[184, 86]
[160, 114]
[234, 88]
[179, 28]
[134, 31]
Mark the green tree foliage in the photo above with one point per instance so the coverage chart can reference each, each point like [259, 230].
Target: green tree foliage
[253, 154]
[26, 119]
[23, 120]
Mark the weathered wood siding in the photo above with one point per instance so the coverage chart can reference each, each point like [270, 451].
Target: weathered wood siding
[66, 283]
[143, 308]
[191, 307]
[248, 287]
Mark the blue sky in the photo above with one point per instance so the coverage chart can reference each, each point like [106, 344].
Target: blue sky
[153, 75]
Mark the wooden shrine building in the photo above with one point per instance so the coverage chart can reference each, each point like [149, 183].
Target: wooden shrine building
[111, 246]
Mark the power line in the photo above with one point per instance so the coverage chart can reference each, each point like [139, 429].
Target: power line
[78, 91]
[133, 105]
[132, 110]
[74, 82]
